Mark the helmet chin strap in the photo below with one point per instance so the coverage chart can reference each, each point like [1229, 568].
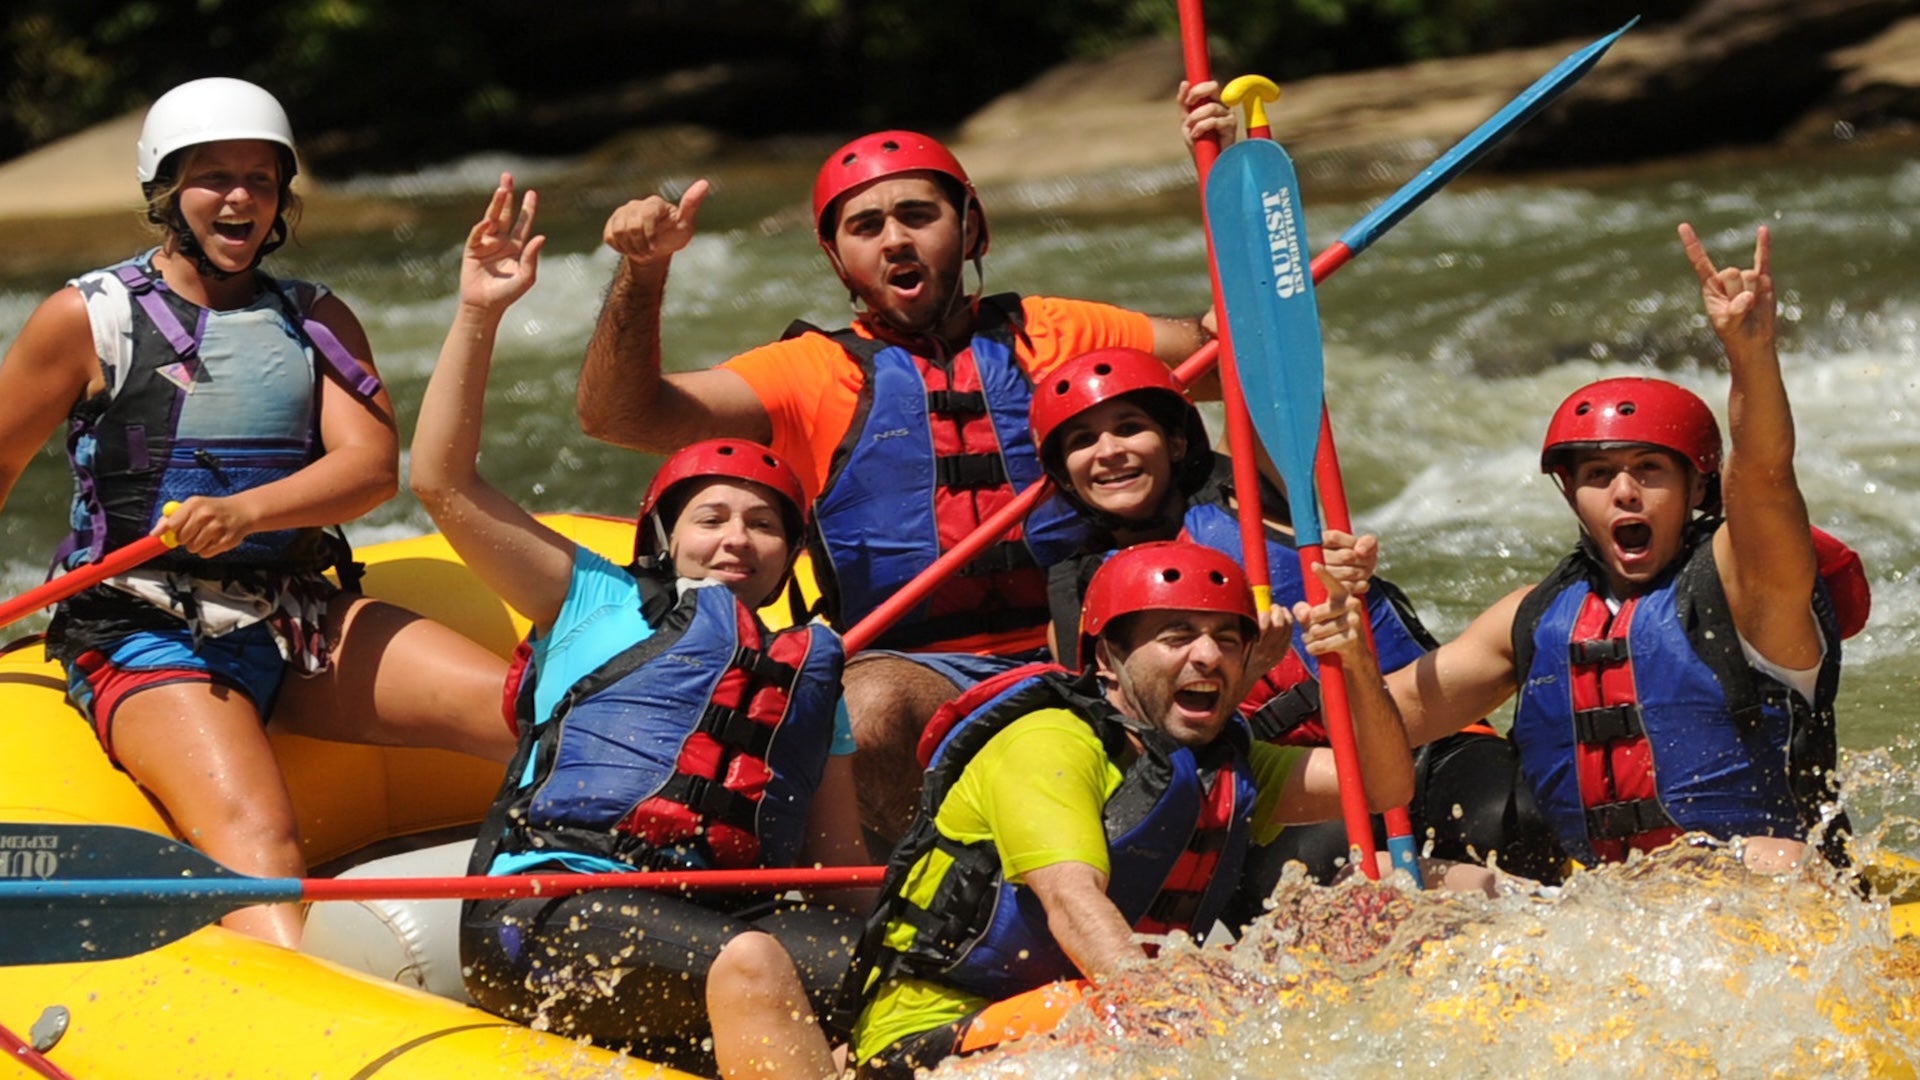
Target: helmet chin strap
[189, 245]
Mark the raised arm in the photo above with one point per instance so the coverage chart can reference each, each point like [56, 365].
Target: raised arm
[1202, 115]
[528, 564]
[623, 398]
[1764, 549]
[1337, 627]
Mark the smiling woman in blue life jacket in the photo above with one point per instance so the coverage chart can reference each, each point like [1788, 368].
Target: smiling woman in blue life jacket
[661, 726]
[188, 375]
[1128, 449]
[1678, 671]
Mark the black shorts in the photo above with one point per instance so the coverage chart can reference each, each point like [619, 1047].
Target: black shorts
[915, 1052]
[627, 968]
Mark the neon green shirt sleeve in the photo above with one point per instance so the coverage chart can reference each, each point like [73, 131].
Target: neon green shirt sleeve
[1038, 790]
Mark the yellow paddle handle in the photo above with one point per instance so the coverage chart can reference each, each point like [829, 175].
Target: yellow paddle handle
[168, 538]
[1256, 92]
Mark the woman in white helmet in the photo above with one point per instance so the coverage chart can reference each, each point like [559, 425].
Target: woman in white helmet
[242, 414]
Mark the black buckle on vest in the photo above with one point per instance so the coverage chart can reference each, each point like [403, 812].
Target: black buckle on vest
[1610, 723]
[956, 403]
[1599, 651]
[969, 471]
[710, 799]
[1280, 714]
[762, 668]
[1620, 820]
[735, 729]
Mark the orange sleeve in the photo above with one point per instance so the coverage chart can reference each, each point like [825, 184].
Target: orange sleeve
[809, 387]
[1063, 329]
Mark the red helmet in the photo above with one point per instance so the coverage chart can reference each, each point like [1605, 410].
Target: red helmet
[1102, 375]
[889, 153]
[1633, 411]
[1166, 575]
[731, 459]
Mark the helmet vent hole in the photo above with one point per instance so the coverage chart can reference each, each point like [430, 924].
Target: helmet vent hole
[1103, 369]
[1626, 408]
[1170, 575]
[890, 146]
[1216, 577]
[1583, 408]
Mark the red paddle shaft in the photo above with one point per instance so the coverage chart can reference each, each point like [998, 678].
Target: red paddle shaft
[1241, 442]
[81, 578]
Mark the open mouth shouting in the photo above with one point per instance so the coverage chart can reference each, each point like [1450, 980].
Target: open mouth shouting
[233, 232]
[907, 279]
[1197, 700]
[1632, 542]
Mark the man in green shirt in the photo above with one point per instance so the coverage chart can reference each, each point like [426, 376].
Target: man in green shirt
[1064, 815]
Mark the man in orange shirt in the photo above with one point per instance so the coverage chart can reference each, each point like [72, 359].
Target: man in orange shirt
[908, 429]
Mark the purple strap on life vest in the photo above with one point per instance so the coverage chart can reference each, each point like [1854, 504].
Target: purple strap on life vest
[143, 288]
[359, 382]
[347, 371]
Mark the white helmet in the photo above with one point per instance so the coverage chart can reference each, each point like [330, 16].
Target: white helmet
[209, 110]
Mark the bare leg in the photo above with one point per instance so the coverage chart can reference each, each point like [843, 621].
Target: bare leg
[889, 701]
[200, 749]
[399, 679]
[762, 1023]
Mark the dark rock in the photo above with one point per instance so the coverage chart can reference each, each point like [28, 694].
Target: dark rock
[1735, 72]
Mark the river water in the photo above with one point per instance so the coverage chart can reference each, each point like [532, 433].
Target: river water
[1448, 343]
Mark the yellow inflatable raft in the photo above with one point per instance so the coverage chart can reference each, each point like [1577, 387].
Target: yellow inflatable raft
[216, 1004]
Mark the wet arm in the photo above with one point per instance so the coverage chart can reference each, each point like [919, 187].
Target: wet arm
[623, 398]
[1463, 680]
[1082, 919]
[833, 833]
[527, 563]
[50, 366]
[1174, 340]
[1336, 628]
[1765, 549]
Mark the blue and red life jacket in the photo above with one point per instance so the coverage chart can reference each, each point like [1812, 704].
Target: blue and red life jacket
[700, 746]
[1637, 724]
[934, 449]
[231, 404]
[1177, 830]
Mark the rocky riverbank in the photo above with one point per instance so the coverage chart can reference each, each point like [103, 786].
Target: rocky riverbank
[1804, 74]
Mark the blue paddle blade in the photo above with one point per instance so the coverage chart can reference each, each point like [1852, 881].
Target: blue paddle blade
[1482, 139]
[1259, 233]
[59, 901]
